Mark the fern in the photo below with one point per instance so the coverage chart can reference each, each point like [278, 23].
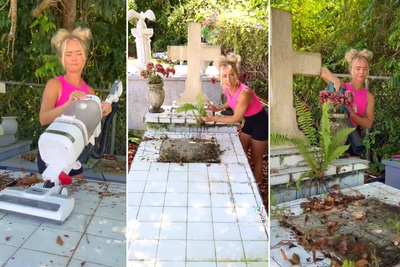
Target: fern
[190, 107]
[317, 156]
[306, 123]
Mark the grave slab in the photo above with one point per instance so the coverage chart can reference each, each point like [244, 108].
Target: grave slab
[93, 235]
[204, 212]
[364, 225]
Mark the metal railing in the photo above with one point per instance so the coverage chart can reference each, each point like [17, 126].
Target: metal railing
[24, 99]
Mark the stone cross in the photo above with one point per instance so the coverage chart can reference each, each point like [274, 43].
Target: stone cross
[142, 36]
[194, 53]
[284, 63]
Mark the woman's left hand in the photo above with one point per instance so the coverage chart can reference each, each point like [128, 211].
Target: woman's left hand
[106, 107]
[208, 118]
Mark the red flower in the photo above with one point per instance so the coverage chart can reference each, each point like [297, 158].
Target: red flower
[213, 80]
[212, 27]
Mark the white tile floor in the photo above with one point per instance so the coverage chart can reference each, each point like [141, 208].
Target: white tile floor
[94, 235]
[280, 235]
[195, 215]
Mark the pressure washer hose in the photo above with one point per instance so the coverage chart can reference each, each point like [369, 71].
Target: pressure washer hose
[104, 134]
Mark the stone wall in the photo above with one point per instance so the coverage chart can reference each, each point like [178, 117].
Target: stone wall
[138, 104]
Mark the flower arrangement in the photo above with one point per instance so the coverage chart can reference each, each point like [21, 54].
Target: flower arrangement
[209, 30]
[339, 100]
[155, 73]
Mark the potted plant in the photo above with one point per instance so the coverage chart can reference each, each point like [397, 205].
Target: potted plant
[9, 124]
[156, 92]
[320, 149]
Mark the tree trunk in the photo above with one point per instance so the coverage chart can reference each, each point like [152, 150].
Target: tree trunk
[68, 14]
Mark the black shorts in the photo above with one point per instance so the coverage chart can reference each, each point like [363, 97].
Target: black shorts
[42, 167]
[257, 126]
[350, 150]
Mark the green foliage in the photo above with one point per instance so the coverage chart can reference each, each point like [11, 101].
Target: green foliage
[240, 23]
[135, 136]
[201, 112]
[318, 156]
[34, 60]
[347, 263]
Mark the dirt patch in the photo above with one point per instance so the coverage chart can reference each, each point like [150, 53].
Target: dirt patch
[346, 228]
[189, 150]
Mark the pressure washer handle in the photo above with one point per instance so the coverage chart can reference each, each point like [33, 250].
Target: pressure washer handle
[356, 143]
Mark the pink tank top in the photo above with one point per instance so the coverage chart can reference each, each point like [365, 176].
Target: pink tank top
[254, 107]
[67, 89]
[360, 98]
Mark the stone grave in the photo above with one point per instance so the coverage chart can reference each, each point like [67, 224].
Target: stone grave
[9, 145]
[286, 163]
[355, 224]
[189, 183]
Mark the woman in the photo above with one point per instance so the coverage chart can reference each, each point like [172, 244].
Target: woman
[60, 92]
[359, 70]
[245, 104]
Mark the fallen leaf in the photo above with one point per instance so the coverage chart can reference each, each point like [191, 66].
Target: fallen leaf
[23, 169]
[295, 259]
[361, 263]
[306, 220]
[331, 227]
[360, 216]
[314, 252]
[180, 163]
[83, 263]
[284, 255]
[60, 241]
[106, 194]
[335, 186]
[8, 238]
[325, 216]
[66, 235]
[335, 264]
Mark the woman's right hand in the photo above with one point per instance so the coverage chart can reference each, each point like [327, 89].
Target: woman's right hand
[212, 108]
[76, 95]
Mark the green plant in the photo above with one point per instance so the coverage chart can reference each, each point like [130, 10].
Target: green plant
[317, 155]
[155, 73]
[199, 108]
[209, 30]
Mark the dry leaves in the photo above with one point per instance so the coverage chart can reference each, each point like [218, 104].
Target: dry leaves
[83, 263]
[295, 258]
[59, 241]
[8, 238]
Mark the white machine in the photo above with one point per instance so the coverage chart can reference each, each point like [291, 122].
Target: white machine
[66, 144]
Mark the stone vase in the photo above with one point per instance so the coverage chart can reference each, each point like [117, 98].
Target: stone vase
[9, 125]
[203, 67]
[338, 122]
[156, 96]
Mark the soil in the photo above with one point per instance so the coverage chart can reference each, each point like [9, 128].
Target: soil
[360, 229]
[189, 150]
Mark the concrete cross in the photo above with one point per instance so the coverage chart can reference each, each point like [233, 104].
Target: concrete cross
[284, 63]
[194, 53]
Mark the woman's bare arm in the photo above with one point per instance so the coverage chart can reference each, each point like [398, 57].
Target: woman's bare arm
[327, 76]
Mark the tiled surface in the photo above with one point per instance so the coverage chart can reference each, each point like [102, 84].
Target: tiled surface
[197, 214]
[93, 235]
[180, 118]
[280, 235]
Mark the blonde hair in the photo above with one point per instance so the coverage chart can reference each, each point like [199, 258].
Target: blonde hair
[354, 55]
[59, 41]
[231, 60]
